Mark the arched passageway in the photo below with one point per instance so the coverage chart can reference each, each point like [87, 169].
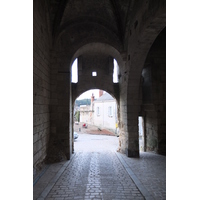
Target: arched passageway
[95, 33]
[140, 47]
[125, 31]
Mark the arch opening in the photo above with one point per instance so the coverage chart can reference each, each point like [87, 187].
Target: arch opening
[95, 119]
[105, 61]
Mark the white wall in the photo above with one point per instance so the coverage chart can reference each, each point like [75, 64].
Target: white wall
[86, 114]
[103, 120]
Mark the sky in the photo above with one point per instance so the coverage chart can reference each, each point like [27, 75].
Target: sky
[88, 94]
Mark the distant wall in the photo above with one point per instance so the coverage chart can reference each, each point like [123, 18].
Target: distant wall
[86, 114]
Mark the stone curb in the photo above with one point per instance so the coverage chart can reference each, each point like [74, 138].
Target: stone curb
[137, 182]
[50, 185]
[40, 175]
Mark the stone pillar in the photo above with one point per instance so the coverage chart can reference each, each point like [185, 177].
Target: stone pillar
[132, 149]
[63, 113]
[59, 147]
[133, 110]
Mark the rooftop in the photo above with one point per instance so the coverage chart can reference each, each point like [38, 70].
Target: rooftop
[105, 97]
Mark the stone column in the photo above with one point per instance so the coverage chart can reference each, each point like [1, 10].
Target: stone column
[132, 149]
[133, 110]
[59, 147]
[63, 113]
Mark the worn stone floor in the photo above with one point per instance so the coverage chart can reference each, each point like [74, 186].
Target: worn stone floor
[98, 171]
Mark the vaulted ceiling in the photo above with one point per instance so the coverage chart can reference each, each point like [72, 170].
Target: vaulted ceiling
[108, 15]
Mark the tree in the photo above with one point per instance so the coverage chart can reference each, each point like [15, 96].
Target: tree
[83, 102]
[77, 116]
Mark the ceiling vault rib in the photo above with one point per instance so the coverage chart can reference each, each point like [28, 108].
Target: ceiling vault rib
[130, 7]
[118, 20]
[59, 15]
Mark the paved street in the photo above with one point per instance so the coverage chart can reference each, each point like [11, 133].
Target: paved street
[97, 171]
[95, 143]
[95, 175]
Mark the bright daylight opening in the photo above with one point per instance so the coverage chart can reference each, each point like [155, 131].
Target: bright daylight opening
[95, 122]
[94, 73]
[115, 71]
[141, 133]
[74, 71]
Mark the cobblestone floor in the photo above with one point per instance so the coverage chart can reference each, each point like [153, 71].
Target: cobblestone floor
[150, 169]
[95, 175]
[97, 171]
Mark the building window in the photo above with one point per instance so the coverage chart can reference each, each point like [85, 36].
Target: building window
[98, 111]
[110, 111]
[74, 71]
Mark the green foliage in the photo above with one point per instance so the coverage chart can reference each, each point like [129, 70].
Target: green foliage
[83, 102]
[77, 116]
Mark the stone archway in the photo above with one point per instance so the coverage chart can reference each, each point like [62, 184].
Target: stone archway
[102, 123]
[98, 57]
[92, 56]
[144, 35]
[64, 30]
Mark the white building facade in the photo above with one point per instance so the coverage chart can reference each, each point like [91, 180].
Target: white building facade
[86, 114]
[105, 112]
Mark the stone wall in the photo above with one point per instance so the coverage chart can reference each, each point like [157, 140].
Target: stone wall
[95, 62]
[41, 82]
